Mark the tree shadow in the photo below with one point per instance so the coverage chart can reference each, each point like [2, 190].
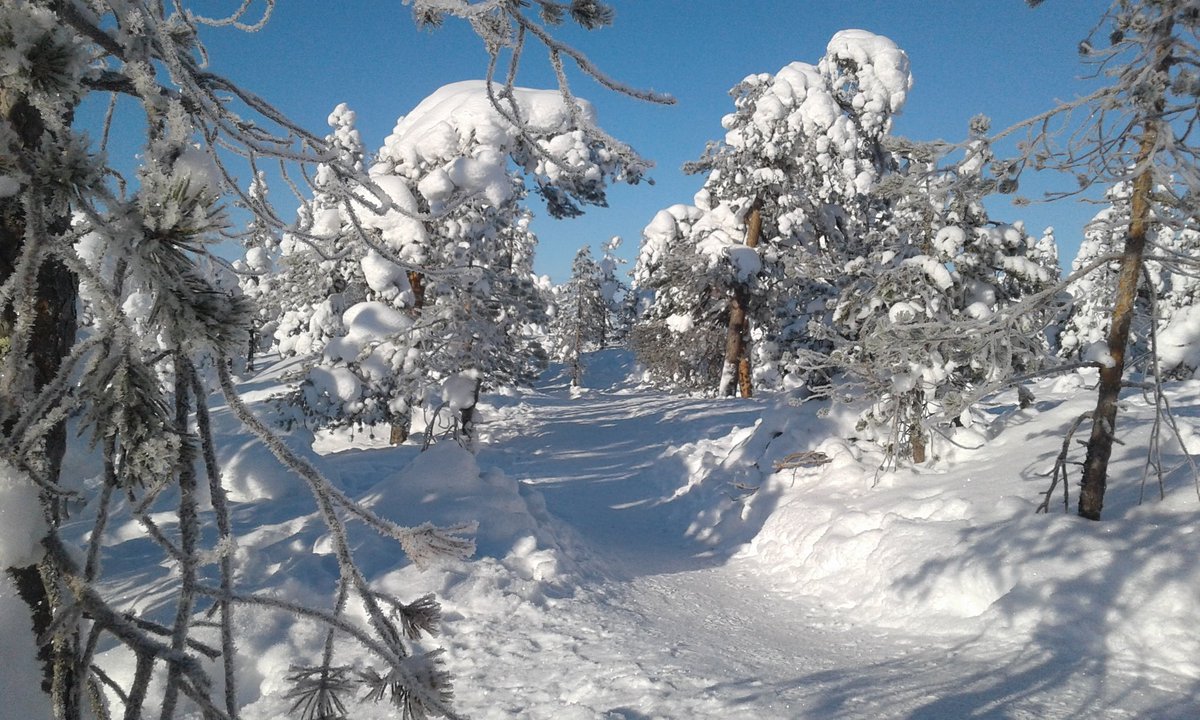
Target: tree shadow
[958, 682]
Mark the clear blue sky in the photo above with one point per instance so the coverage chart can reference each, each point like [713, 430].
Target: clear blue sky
[996, 57]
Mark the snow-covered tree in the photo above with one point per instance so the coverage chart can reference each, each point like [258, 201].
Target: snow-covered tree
[678, 334]
[618, 299]
[581, 315]
[939, 261]
[320, 273]
[134, 258]
[258, 271]
[1163, 305]
[447, 280]
[1086, 326]
[787, 202]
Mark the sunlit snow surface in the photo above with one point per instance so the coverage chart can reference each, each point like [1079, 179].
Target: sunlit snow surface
[625, 570]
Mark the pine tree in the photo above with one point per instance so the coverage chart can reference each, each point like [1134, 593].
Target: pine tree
[321, 275]
[787, 203]
[257, 271]
[447, 285]
[1087, 323]
[581, 319]
[678, 332]
[1135, 129]
[617, 296]
[940, 262]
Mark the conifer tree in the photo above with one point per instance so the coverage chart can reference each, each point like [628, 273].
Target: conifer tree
[441, 286]
[1136, 128]
[678, 333]
[581, 317]
[616, 294]
[787, 202]
[939, 261]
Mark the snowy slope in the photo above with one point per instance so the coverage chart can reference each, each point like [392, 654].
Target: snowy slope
[639, 557]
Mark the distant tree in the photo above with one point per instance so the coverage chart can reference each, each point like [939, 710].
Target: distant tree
[618, 299]
[258, 271]
[581, 320]
[1087, 323]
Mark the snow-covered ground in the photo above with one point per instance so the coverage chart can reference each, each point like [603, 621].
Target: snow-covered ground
[639, 557]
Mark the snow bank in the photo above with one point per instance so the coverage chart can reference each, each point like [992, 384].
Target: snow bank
[955, 546]
[444, 485]
[21, 517]
[22, 677]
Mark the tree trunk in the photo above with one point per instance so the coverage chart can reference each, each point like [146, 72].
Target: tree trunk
[402, 428]
[1104, 421]
[577, 350]
[51, 338]
[737, 337]
[917, 437]
[467, 416]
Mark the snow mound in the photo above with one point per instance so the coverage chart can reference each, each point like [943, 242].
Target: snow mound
[445, 485]
[21, 517]
[954, 546]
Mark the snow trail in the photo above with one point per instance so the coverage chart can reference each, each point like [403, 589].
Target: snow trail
[615, 579]
[664, 625]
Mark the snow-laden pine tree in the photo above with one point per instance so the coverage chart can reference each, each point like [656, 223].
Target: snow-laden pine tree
[618, 299]
[447, 288]
[132, 254]
[1087, 323]
[320, 275]
[679, 331]
[1177, 337]
[581, 314]
[258, 270]
[939, 261]
[788, 203]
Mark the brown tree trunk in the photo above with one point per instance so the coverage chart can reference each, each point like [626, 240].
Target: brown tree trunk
[467, 416]
[403, 427]
[737, 337]
[51, 338]
[1099, 448]
[916, 431]
[416, 281]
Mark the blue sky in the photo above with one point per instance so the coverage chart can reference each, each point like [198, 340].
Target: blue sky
[996, 57]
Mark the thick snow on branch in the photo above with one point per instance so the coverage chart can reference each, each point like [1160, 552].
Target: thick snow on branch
[462, 144]
[870, 73]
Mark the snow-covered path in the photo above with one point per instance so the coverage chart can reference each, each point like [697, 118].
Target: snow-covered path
[615, 579]
[663, 625]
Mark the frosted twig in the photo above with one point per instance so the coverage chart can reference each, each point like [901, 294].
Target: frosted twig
[1060, 471]
[220, 504]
